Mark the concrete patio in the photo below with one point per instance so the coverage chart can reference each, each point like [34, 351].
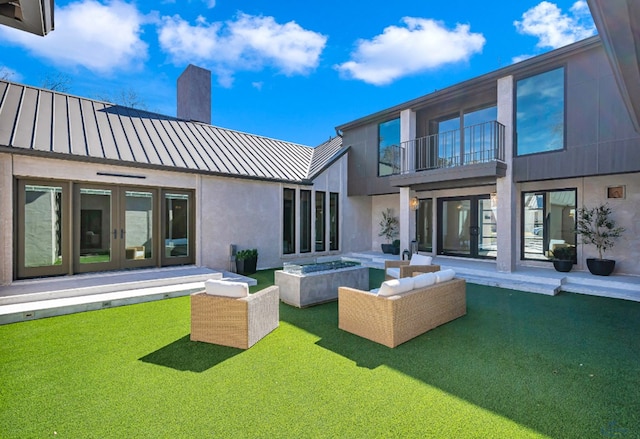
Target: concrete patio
[46, 297]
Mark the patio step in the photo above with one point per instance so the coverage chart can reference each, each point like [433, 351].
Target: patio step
[29, 300]
[605, 286]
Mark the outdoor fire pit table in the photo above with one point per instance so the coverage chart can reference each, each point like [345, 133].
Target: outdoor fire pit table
[312, 284]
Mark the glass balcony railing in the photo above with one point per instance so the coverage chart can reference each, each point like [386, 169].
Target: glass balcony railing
[480, 143]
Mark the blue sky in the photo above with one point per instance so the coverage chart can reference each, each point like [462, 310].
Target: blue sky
[286, 70]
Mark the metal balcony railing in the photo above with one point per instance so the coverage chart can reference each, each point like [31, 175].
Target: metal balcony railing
[480, 143]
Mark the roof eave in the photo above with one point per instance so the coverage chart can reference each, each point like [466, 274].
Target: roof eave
[618, 23]
[33, 16]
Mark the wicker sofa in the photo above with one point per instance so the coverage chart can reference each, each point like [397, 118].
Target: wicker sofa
[394, 269]
[238, 322]
[392, 320]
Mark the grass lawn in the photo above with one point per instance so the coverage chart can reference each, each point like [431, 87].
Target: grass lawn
[518, 365]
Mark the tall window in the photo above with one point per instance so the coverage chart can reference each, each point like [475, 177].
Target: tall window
[333, 221]
[540, 112]
[289, 221]
[548, 222]
[389, 147]
[305, 221]
[320, 221]
[424, 229]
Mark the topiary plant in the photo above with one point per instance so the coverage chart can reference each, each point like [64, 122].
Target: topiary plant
[595, 226]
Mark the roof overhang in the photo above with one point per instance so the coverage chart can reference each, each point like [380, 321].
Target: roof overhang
[34, 16]
[618, 23]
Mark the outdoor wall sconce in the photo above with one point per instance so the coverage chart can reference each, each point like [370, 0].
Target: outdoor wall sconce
[414, 203]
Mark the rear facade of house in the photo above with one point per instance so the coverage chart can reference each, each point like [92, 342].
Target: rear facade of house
[495, 168]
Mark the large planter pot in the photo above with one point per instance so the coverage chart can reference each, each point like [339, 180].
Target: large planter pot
[601, 267]
[563, 266]
[246, 266]
[387, 248]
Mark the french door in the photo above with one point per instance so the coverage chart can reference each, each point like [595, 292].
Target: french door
[66, 227]
[467, 227]
[115, 227]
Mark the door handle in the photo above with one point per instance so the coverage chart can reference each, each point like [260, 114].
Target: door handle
[115, 233]
[121, 233]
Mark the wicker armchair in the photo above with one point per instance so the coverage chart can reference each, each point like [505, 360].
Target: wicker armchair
[236, 322]
[407, 270]
[396, 319]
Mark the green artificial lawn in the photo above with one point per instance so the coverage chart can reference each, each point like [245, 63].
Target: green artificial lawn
[517, 365]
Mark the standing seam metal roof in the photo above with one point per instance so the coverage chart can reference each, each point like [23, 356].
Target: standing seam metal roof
[38, 121]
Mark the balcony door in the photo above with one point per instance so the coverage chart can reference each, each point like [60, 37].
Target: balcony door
[467, 227]
[115, 227]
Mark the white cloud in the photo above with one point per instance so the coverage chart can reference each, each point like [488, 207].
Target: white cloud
[400, 51]
[555, 29]
[246, 43]
[100, 37]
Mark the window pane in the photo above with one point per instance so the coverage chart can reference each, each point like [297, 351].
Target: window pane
[333, 219]
[540, 113]
[480, 135]
[138, 224]
[487, 229]
[424, 229]
[389, 147]
[548, 223]
[449, 142]
[176, 238]
[320, 222]
[95, 225]
[43, 226]
[305, 221]
[456, 217]
[288, 221]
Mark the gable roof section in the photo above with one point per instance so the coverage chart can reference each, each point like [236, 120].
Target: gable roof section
[324, 155]
[42, 122]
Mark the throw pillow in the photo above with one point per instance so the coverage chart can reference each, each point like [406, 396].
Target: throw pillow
[226, 288]
[418, 259]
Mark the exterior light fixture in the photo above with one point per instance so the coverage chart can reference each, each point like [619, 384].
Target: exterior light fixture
[414, 203]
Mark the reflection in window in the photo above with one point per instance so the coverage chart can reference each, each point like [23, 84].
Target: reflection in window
[138, 224]
[333, 221]
[479, 135]
[548, 222]
[389, 148]
[95, 225]
[305, 221]
[176, 225]
[43, 226]
[289, 221]
[540, 112]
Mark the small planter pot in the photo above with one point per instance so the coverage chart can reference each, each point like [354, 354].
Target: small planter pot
[563, 266]
[601, 267]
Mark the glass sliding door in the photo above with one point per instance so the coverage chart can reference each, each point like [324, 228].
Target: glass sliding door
[288, 221]
[42, 248]
[96, 230]
[305, 221]
[178, 224]
[467, 227]
[424, 225]
[139, 225]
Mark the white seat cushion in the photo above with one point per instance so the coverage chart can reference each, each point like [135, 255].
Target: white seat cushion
[444, 275]
[418, 259]
[424, 280]
[393, 272]
[225, 288]
[396, 286]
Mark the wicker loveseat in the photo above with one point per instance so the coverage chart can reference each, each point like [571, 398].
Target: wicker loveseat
[239, 321]
[395, 319]
[418, 263]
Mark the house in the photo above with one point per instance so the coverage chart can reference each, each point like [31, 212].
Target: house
[90, 186]
[495, 167]
[492, 169]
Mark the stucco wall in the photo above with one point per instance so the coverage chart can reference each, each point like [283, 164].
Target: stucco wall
[6, 220]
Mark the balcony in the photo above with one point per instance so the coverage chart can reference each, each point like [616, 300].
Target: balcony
[458, 158]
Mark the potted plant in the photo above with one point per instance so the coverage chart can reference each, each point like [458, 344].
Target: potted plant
[396, 247]
[389, 229]
[246, 261]
[595, 226]
[563, 258]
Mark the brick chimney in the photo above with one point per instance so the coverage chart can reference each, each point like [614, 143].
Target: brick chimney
[194, 94]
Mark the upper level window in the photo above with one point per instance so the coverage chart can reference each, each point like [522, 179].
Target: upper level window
[540, 112]
[389, 147]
